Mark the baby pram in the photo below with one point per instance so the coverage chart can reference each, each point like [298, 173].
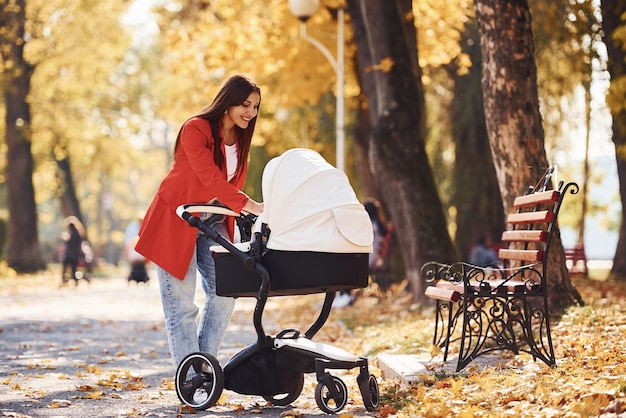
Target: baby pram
[314, 236]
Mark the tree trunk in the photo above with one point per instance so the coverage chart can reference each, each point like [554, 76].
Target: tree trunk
[611, 12]
[360, 142]
[367, 181]
[24, 254]
[391, 80]
[580, 240]
[516, 136]
[476, 196]
[70, 206]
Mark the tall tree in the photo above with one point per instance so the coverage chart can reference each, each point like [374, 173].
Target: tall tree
[360, 144]
[24, 253]
[477, 196]
[613, 26]
[516, 136]
[391, 80]
[84, 110]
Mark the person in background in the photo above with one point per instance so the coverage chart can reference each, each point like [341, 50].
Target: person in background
[210, 164]
[379, 259]
[481, 255]
[372, 207]
[376, 258]
[72, 253]
[138, 271]
[138, 263]
[132, 229]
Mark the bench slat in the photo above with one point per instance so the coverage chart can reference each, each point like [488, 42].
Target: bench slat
[442, 294]
[539, 198]
[578, 258]
[575, 253]
[501, 286]
[525, 236]
[521, 255]
[541, 216]
[444, 284]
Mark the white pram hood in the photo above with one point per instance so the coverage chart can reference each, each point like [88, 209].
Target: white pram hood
[310, 206]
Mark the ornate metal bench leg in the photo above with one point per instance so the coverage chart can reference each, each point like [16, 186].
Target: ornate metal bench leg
[438, 324]
[537, 330]
[443, 326]
[475, 323]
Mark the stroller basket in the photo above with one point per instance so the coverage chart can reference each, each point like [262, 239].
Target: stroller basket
[292, 273]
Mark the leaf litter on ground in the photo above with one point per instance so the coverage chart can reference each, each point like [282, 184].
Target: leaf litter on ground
[589, 380]
[589, 342]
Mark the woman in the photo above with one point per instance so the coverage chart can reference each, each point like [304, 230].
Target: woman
[210, 163]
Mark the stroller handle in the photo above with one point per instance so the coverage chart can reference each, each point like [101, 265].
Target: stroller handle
[183, 211]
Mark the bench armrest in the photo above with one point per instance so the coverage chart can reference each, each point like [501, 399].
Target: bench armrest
[440, 293]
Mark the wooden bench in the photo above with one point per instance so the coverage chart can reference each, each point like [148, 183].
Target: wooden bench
[502, 307]
[576, 260]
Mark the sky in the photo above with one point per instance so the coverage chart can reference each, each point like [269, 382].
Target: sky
[141, 20]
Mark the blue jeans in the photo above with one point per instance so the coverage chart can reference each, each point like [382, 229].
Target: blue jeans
[185, 336]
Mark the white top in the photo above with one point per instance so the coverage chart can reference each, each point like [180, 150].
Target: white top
[311, 206]
[231, 160]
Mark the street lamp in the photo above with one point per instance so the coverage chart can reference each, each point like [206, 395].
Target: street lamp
[303, 9]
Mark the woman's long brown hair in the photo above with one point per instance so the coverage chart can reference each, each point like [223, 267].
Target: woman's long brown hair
[233, 93]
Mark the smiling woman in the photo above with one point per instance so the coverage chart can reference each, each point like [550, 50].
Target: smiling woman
[210, 164]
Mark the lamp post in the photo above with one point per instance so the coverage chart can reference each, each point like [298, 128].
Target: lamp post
[303, 9]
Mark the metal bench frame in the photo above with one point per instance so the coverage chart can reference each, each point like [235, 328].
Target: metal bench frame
[491, 303]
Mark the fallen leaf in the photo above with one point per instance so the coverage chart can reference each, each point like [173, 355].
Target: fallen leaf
[186, 409]
[59, 403]
[292, 413]
[91, 368]
[99, 394]
[86, 388]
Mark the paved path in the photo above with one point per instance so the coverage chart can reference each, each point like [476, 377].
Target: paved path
[99, 350]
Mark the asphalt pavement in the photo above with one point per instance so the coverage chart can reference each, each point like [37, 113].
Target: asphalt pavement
[99, 349]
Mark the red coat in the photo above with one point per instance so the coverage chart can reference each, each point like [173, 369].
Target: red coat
[164, 237]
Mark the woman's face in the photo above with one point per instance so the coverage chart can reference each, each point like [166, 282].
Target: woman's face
[242, 114]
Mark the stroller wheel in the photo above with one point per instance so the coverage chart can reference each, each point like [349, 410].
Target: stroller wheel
[331, 399]
[284, 399]
[370, 393]
[199, 381]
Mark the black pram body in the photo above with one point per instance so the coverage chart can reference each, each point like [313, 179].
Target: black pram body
[319, 235]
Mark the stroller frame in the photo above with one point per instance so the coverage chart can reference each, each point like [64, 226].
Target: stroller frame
[281, 360]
